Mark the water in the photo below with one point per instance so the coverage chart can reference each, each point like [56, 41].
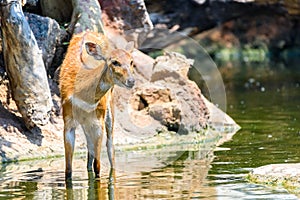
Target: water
[264, 101]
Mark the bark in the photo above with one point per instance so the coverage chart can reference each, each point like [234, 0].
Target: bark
[24, 66]
[86, 17]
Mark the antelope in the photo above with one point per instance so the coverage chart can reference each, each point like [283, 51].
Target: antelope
[87, 76]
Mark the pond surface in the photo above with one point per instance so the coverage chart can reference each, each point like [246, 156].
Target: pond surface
[265, 102]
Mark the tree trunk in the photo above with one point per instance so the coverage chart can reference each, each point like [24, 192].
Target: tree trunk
[86, 16]
[24, 65]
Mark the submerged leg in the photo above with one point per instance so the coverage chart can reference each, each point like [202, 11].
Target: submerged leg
[111, 184]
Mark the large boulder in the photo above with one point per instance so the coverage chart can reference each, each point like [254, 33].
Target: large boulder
[168, 101]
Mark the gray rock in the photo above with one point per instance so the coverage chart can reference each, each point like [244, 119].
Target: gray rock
[169, 102]
[171, 72]
[282, 175]
[48, 35]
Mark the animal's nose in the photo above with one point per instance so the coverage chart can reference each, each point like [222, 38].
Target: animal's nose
[130, 82]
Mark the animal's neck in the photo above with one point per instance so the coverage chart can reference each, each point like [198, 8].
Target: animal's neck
[105, 83]
[92, 85]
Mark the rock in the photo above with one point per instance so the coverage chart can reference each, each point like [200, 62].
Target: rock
[133, 26]
[220, 121]
[149, 95]
[48, 35]
[282, 175]
[171, 71]
[145, 64]
[165, 67]
[169, 114]
[169, 102]
[157, 102]
[119, 9]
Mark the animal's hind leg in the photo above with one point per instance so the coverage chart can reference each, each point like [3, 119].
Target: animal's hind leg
[109, 124]
[97, 150]
[94, 140]
[90, 160]
[90, 147]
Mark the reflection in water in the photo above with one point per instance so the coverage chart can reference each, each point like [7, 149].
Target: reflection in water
[185, 177]
[96, 190]
[270, 134]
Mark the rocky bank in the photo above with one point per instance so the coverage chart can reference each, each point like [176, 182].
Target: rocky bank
[165, 109]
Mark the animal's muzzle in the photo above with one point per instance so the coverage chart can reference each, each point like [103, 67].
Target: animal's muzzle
[130, 82]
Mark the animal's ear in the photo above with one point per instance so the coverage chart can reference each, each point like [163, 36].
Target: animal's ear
[94, 50]
[129, 46]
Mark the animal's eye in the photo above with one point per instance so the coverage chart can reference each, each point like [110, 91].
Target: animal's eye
[116, 63]
[131, 63]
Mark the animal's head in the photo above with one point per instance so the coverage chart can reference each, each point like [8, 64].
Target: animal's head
[119, 63]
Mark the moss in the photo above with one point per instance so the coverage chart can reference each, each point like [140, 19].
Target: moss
[170, 139]
[291, 184]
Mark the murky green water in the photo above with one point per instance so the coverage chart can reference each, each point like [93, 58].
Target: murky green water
[264, 101]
